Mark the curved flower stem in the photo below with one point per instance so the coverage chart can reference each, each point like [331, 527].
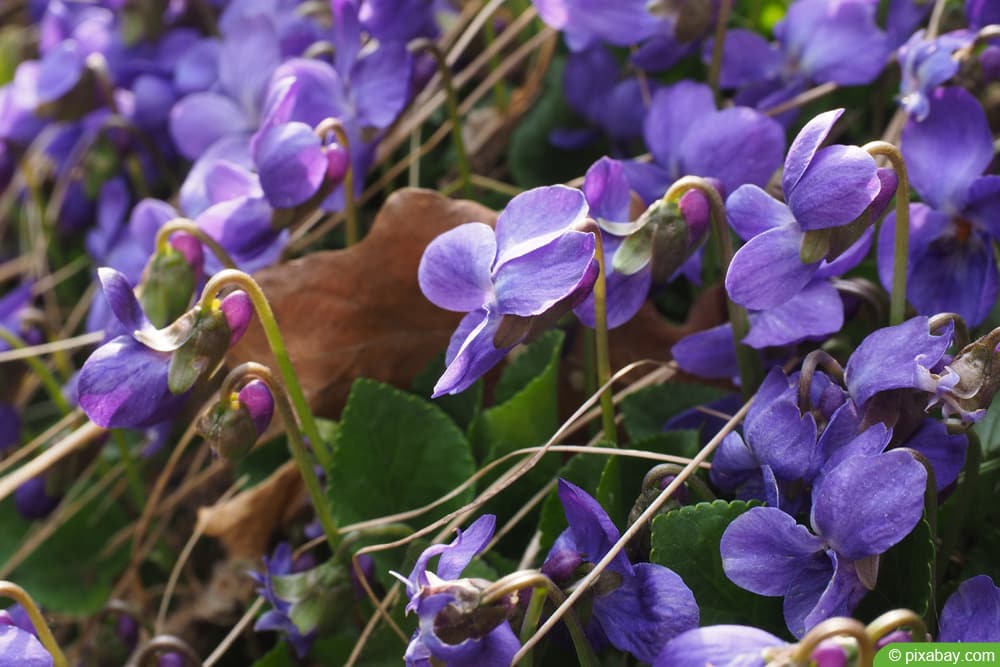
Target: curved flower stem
[464, 170]
[602, 347]
[163, 643]
[52, 386]
[895, 619]
[234, 278]
[352, 231]
[715, 69]
[189, 227]
[296, 444]
[937, 322]
[19, 595]
[834, 627]
[747, 360]
[816, 359]
[901, 249]
[531, 618]
[538, 581]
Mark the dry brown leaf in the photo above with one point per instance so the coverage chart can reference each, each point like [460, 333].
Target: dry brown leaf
[245, 523]
[359, 312]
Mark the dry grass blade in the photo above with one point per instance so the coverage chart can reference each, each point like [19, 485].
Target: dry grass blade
[38, 465]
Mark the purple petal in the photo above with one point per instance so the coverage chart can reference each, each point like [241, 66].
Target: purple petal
[625, 293]
[246, 63]
[496, 649]
[673, 113]
[646, 611]
[840, 183]
[983, 204]
[926, 225]
[733, 463]
[291, 164]
[259, 402]
[587, 77]
[832, 38]
[972, 613]
[649, 180]
[380, 84]
[720, 646]
[243, 227]
[784, 439]
[200, 119]
[118, 291]
[60, 70]
[948, 150]
[20, 649]
[305, 90]
[533, 282]
[194, 195]
[815, 312]
[198, 68]
[768, 270]
[945, 451]
[804, 147]
[748, 58]
[454, 271]
[868, 504]
[765, 551]
[839, 447]
[471, 351]
[607, 190]
[124, 385]
[981, 13]
[708, 354]
[751, 211]
[146, 219]
[466, 546]
[736, 146]
[593, 531]
[832, 589]
[888, 358]
[533, 218]
[227, 180]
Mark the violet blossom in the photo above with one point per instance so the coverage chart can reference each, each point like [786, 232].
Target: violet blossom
[537, 263]
[926, 64]
[972, 613]
[638, 607]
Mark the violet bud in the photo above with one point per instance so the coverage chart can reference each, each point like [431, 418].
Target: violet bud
[337, 163]
[256, 397]
[169, 285]
[829, 653]
[561, 564]
[216, 328]
[895, 637]
[32, 499]
[230, 429]
[170, 660]
[127, 630]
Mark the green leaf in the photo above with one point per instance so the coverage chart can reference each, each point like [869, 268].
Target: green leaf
[988, 430]
[905, 576]
[69, 573]
[609, 491]
[687, 541]
[647, 410]
[585, 471]
[279, 656]
[462, 407]
[528, 418]
[393, 452]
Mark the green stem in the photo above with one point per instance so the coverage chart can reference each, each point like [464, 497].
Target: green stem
[296, 443]
[602, 348]
[135, 485]
[499, 92]
[17, 594]
[895, 619]
[234, 278]
[751, 373]
[352, 232]
[464, 170]
[189, 227]
[531, 618]
[52, 386]
[715, 68]
[900, 252]
[536, 580]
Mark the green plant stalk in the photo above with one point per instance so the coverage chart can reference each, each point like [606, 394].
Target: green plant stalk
[189, 227]
[19, 595]
[751, 373]
[531, 618]
[538, 581]
[499, 92]
[52, 386]
[901, 247]
[715, 68]
[135, 486]
[296, 443]
[462, 157]
[602, 347]
[895, 619]
[234, 278]
[352, 232]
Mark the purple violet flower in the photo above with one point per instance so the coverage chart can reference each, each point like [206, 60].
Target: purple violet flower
[430, 593]
[277, 618]
[862, 508]
[640, 606]
[584, 22]
[951, 267]
[824, 188]
[536, 263]
[925, 65]
[20, 648]
[972, 613]
[981, 13]
[719, 646]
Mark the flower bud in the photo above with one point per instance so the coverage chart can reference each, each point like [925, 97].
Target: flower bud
[829, 653]
[238, 310]
[337, 163]
[256, 397]
[465, 617]
[171, 279]
[32, 499]
[233, 426]
[215, 329]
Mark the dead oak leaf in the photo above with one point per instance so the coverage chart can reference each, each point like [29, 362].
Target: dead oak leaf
[359, 312]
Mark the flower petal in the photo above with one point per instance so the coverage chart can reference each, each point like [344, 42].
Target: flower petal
[533, 282]
[784, 439]
[291, 163]
[533, 218]
[454, 271]
[751, 211]
[867, 504]
[200, 119]
[593, 531]
[718, 645]
[804, 147]
[840, 183]
[607, 190]
[673, 113]
[20, 649]
[471, 351]
[972, 613]
[946, 452]
[768, 270]
[815, 312]
[708, 354]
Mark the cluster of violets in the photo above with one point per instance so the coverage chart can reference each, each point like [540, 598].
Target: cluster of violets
[266, 105]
